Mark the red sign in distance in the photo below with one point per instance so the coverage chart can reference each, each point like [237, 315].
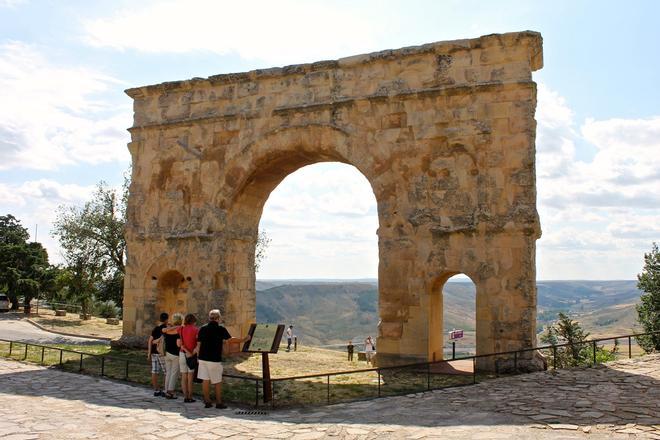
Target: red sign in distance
[456, 334]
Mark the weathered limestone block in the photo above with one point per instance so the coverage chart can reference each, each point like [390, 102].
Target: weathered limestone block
[444, 133]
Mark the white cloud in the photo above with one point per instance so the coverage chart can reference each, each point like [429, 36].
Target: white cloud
[11, 3]
[275, 31]
[52, 115]
[322, 221]
[598, 215]
[35, 202]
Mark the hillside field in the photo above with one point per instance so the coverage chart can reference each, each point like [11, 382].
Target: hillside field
[326, 313]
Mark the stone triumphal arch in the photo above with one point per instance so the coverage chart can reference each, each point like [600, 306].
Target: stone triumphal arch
[443, 132]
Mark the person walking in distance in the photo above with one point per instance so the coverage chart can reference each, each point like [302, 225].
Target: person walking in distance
[350, 347]
[289, 337]
[188, 355]
[209, 349]
[157, 362]
[369, 349]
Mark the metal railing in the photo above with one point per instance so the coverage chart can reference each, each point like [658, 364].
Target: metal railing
[114, 367]
[336, 387]
[427, 376]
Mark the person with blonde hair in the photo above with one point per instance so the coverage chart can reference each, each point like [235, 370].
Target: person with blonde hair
[209, 348]
[171, 335]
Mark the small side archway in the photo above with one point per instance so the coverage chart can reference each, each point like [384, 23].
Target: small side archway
[438, 319]
[172, 293]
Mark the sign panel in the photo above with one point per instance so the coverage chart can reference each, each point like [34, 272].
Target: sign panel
[456, 334]
[265, 338]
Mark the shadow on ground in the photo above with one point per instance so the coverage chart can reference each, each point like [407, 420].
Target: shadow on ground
[617, 394]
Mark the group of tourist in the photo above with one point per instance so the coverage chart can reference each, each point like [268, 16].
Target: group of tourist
[180, 347]
[369, 350]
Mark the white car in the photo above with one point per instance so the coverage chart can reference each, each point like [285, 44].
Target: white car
[4, 303]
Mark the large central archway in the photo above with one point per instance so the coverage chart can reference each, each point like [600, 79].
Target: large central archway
[444, 133]
[275, 156]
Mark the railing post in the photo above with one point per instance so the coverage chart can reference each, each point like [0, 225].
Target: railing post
[428, 376]
[11, 347]
[61, 353]
[497, 368]
[256, 393]
[43, 349]
[272, 400]
[26, 350]
[81, 362]
[102, 366]
[453, 350]
[629, 347]
[378, 371]
[126, 372]
[594, 348]
[515, 362]
[554, 357]
[328, 389]
[474, 370]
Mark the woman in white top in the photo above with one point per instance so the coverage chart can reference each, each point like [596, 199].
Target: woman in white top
[369, 349]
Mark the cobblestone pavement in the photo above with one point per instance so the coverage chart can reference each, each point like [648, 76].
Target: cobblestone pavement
[621, 400]
[13, 327]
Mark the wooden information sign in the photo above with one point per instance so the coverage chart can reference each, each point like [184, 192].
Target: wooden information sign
[265, 338]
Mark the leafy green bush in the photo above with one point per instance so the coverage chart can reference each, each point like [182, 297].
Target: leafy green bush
[580, 352]
[106, 309]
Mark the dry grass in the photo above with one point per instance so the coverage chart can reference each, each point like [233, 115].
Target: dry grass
[348, 387]
[71, 323]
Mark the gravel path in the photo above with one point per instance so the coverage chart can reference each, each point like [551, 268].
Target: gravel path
[13, 327]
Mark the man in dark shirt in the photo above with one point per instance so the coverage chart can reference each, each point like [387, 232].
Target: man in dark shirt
[209, 349]
[157, 362]
[350, 347]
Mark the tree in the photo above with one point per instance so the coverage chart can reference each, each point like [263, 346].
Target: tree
[260, 252]
[78, 282]
[24, 267]
[92, 238]
[648, 310]
[579, 351]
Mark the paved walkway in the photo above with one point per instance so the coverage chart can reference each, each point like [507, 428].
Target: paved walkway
[13, 327]
[621, 400]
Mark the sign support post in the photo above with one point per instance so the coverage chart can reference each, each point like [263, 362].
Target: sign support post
[268, 388]
[264, 339]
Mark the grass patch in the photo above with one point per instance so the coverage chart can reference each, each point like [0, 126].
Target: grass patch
[71, 323]
[132, 365]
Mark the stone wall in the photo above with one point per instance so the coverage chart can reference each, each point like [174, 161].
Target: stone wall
[443, 132]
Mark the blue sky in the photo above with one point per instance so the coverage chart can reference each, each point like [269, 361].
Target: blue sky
[64, 66]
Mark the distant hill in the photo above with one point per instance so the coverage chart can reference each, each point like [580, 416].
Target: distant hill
[326, 312]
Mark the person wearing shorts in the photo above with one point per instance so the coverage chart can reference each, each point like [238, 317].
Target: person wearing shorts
[188, 355]
[157, 362]
[209, 348]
